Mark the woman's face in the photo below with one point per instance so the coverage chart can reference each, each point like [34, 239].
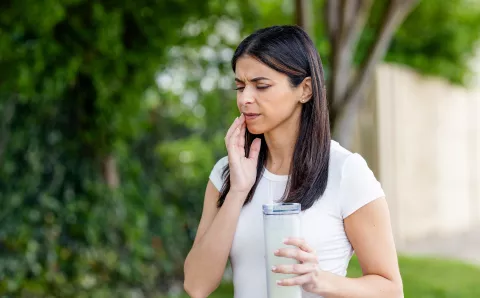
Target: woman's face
[266, 97]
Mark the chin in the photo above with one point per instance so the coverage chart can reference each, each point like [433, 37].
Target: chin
[255, 129]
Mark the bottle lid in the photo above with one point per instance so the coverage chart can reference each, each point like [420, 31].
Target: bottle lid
[281, 208]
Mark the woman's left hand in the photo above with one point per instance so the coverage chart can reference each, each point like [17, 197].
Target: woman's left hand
[310, 276]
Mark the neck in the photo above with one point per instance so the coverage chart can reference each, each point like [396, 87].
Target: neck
[281, 145]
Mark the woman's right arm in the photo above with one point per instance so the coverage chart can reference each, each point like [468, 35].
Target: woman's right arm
[205, 264]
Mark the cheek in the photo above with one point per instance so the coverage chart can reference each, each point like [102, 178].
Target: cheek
[280, 104]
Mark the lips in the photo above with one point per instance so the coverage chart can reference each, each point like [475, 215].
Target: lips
[251, 116]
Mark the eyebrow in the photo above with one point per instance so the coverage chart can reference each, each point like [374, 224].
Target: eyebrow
[252, 80]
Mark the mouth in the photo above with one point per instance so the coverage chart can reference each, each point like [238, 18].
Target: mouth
[251, 116]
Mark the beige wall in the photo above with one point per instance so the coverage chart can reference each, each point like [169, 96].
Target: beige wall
[421, 136]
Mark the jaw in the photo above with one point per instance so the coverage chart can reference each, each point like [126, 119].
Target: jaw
[286, 131]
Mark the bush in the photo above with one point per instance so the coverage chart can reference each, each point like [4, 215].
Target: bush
[64, 233]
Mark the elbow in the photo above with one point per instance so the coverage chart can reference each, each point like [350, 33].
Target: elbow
[195, 288]
[192, 291]
[189, 285]
[198, 284]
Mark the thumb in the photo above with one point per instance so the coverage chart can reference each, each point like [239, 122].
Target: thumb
[255, 149]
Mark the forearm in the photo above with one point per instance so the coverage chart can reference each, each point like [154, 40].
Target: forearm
[368, 286]
[206, 261]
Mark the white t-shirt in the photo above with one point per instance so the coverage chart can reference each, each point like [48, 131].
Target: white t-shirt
[351, 185]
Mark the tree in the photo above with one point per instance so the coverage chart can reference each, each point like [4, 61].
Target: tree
[95, 59]
[303, 15]
[362, 33]
[439, 39]
[346, 20]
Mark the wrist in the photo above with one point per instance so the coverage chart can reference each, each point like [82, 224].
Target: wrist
[238, 192]
[327, 284]
[237, 195]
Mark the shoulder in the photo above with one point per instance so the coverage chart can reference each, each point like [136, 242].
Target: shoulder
[222, 162]
[216, 175]
[343, 161]
[338, 153]
[355, 181]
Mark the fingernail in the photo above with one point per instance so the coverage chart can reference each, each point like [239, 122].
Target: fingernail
[285, 240]
[279, 282]
[277, 251]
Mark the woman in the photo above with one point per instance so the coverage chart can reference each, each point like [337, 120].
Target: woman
[279, 149]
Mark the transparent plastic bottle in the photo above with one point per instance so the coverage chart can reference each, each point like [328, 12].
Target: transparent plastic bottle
[280, 221]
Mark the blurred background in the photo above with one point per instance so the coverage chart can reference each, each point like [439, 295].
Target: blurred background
[113, 113]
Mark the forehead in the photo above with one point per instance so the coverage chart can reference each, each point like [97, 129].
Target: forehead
[248, 67]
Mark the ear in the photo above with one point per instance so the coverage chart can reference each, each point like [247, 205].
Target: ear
[306, 88]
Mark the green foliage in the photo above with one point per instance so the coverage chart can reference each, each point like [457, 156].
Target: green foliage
[64, 234]
[74, 80]
[435, 39]
[439, 39]
[98, 55]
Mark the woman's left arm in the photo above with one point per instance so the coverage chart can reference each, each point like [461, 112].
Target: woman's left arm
[369, 231]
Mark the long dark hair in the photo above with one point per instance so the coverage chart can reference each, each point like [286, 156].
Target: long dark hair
[289, 50]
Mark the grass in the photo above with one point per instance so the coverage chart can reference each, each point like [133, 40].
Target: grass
[422, 278]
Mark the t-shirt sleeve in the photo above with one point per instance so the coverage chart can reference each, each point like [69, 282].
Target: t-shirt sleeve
[358, 185]
[216, 174]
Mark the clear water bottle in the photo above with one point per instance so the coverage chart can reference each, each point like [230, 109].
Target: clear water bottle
[280, 221]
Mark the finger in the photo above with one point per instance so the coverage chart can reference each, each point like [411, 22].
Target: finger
[297, 254]
[295, 268]
[230, 131]
[241, 137]
[232, 128]
[255, 149]
[296, 281]
[232, 143]
[300, 243]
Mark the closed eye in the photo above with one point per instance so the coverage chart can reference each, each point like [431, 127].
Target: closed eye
[240, 88]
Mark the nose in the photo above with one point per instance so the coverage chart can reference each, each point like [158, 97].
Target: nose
[246, 97]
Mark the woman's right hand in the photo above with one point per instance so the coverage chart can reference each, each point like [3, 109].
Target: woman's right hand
[243, 169]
